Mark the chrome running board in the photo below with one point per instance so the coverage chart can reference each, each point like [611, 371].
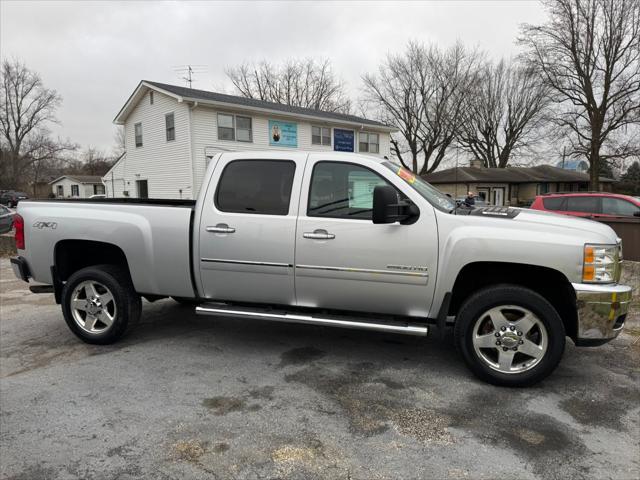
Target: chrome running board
[326, 321]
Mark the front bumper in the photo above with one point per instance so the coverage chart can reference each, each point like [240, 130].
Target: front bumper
[602, 310]
[20, 268]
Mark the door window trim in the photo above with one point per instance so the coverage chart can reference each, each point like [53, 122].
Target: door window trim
[224, 168]
[313, 169]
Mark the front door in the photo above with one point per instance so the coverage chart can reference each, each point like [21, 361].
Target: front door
[498, 196]
[343, 261]
[247, 228]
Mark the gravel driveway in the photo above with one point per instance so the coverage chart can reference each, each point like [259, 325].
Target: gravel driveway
[195, 397]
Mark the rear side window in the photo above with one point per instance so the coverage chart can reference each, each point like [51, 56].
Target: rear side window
[583, 204]
[553, 203]
[617, 206]
[256, 186]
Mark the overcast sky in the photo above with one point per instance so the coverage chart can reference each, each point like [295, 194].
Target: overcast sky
[95, 53]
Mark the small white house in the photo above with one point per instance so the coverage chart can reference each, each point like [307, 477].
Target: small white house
[172, 132]
[77, 186]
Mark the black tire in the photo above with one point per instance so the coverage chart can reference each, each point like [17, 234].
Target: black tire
[128, 305]
[495, 296]
[187, 302]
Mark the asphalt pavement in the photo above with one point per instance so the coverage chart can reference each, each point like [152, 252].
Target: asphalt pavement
[185, 396]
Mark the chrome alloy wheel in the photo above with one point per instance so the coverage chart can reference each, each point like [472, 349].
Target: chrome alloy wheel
[93, 307]
[510, 339]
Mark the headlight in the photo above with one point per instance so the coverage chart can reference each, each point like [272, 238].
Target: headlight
[600, 263]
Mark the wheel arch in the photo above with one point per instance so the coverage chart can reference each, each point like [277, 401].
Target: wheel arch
[69, 256]
[551, 284]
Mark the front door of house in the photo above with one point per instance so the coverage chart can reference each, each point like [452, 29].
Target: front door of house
[498, 196]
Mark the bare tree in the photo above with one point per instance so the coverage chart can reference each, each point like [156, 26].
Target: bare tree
[301, 83]
[120, 141]
[421, 92]
[589, 53]
[26, 109]
[503, 113]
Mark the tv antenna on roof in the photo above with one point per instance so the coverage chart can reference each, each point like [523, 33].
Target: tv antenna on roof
[187, 72]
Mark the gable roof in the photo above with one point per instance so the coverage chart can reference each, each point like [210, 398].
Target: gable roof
[233, 101]
[541, 173]
[84, 179]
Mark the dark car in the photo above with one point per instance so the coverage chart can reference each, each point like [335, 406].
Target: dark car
[11, 199]
[6, 219]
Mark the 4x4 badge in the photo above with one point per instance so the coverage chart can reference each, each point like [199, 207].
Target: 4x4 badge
[41, 225]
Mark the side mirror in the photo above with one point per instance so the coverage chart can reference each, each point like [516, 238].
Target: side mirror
[636, 213]
[387, 209]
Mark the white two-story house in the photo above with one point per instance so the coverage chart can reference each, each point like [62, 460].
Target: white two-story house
[172, 132]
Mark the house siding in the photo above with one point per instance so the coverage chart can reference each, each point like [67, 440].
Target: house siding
[165, 165]
[206, 142]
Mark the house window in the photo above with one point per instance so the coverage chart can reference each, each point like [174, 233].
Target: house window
[243, 129]
[234, 127]
[98, 189]
[75, 191]
[60, 191]
[226, 130]
[150, 98]
[170, 126]
[138, 132]
[321, 136]
[369, 142]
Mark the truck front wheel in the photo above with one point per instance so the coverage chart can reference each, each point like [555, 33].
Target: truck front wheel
[509, 335]
[100, 304]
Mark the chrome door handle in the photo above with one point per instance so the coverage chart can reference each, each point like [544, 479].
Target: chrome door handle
[319, 235]
[221, 228]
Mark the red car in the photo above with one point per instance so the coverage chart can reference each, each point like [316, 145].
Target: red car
[588, 204]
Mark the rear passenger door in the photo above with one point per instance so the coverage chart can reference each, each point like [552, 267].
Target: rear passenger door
[247, 228]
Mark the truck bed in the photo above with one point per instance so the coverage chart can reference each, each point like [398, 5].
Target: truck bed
[153, 234]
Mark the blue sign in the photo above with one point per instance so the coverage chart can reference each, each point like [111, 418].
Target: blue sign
[343, 140]
[283, 134]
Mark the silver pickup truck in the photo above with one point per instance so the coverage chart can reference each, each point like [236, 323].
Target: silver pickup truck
[338, 240]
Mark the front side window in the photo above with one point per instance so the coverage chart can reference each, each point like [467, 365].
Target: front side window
[617, 206]
[243, 129]
[342, 190]
[369, 143]
[582, 204]
[256, 186]
[138, 134]
[170, 126]
[226, 127]
[75, 191]
[321, 136]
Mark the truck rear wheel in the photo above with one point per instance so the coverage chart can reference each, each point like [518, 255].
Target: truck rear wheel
[509, 335]
[100, 304]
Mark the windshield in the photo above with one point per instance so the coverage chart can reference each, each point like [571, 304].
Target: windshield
[434, 196]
